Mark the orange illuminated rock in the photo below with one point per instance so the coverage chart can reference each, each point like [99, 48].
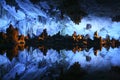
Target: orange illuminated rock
[12, 34]
[74, 35]
[21, 39]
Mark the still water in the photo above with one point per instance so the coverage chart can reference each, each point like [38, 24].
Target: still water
[33, 64]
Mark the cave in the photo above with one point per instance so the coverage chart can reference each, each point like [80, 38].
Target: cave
[59, 40]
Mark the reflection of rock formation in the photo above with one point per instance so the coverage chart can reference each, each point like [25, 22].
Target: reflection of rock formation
[77, 42]
[12, 51]
[57, 42]
[115, 69]
[75, 72]
[116, 18]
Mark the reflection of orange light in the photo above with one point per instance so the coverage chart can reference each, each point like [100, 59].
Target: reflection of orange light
[12, 35]
[42, 48]
[85, 42]
[79, 49]
[40, 38]
[21, 46]
[74, 50]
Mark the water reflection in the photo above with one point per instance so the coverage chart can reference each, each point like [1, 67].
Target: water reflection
[54, 64]
[58, 57]
[13, 51]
